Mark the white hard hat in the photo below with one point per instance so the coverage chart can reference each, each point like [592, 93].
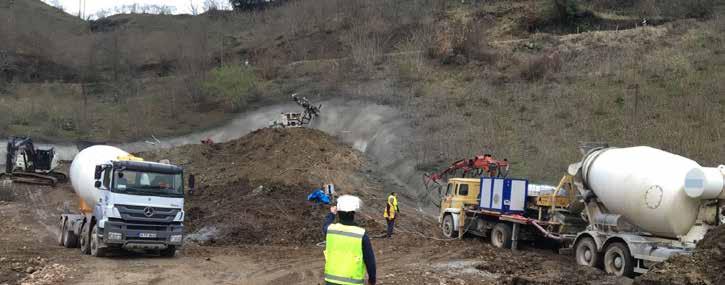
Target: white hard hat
[348, 203]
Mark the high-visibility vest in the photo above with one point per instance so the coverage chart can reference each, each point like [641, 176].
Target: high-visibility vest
[344, 255]
[391, 207]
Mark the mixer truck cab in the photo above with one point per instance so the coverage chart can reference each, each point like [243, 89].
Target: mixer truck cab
[125, 203]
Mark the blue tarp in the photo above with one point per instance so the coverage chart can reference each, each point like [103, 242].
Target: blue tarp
[319, 196]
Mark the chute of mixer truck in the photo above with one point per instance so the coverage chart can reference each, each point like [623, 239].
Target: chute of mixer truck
[124, 202]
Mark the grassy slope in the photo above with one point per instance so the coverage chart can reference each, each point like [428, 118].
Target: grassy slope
[535, 98]
[531, 97]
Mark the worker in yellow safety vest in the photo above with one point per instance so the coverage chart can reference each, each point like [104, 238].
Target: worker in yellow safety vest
[348, 251]
[391, 210]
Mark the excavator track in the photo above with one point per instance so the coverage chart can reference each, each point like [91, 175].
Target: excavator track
[31, 178]
[60, 177]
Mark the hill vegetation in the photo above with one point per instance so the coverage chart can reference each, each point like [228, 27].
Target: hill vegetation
[526, 80]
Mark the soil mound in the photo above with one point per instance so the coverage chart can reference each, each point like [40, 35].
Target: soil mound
[705, 266]
[253, 190]
[279, 156]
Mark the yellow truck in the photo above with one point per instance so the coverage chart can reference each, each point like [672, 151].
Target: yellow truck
[506, 210]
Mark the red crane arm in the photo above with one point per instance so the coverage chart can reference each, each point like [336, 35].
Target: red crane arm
[484, 164]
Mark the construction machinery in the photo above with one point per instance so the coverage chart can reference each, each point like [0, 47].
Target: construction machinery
[479, 165]
[642, 205]
[507, 210]
[619, 209]
[124, 203]
[298, 119]
[26, 164]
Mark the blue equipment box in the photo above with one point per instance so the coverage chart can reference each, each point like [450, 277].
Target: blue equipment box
[504, 195]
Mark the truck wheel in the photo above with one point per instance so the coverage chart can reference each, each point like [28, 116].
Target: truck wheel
[85, 239]
[170, 251]
[618, 260]
[96, 250]
[586, 253]
[501, 235]
[61, 232]
[70, 240]
[449, 229]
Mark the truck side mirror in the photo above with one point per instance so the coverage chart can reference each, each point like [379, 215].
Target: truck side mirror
[97, 184]
[97, 174]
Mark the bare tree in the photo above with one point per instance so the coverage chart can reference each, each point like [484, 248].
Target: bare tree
[211, 5]
[194, 8]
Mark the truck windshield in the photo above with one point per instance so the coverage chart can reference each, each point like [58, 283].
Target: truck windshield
[148, 183]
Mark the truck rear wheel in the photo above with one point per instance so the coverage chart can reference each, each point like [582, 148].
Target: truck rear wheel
[170, 251]
[61, 232]
[96, 249]
[501, 235]
[586, 253]
[70, 240]
[449, 229]
[618, 260]
[85, 239]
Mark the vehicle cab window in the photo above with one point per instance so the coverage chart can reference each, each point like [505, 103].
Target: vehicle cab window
[106, 179]
[448, 190]
[463, 190]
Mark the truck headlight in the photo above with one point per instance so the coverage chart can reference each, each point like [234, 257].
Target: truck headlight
[175, 239]
[179, 217]
[112, 212]
[115, 236]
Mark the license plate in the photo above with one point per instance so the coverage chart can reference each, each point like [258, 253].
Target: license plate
[147, 235]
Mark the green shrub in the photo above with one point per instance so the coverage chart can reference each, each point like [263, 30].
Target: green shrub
[235, 84]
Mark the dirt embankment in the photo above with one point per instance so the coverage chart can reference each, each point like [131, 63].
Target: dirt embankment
[705, 266]
[253, 190]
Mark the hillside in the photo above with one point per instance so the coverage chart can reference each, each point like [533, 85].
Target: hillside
[521, 79]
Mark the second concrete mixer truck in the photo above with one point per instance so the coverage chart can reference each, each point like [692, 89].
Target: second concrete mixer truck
[643, 205]
[124, 203]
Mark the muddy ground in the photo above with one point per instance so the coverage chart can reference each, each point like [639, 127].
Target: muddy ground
[27, 237]
[239, 233]
[704, 267]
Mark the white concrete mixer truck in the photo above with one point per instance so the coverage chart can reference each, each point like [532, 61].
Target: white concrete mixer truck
[125, 203]
[643, 205]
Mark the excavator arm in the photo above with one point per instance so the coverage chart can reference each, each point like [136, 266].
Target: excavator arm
[16, 145]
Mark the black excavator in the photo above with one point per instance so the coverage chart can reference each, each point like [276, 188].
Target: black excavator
[26, 164]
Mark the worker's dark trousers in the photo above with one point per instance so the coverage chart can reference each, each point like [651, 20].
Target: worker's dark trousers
[391, 225]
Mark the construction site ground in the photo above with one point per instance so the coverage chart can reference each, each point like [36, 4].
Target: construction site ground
[31, 256]
[250, 223]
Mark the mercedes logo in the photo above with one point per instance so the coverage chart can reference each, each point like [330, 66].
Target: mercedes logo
[148, 212]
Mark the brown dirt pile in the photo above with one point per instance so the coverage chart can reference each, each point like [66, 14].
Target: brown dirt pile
[279, 156]
[705, 266]
[254, 189]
